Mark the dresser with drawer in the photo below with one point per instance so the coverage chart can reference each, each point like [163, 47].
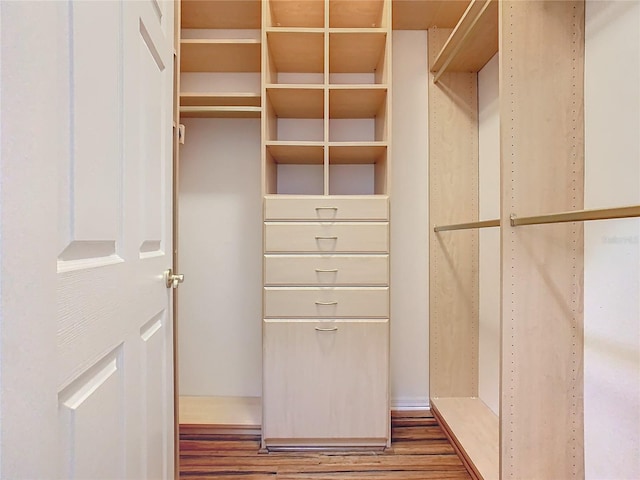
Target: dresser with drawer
[326, 321]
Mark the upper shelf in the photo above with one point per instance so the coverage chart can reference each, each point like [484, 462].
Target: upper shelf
[298, 52]
[357, 14]
[356, 52]
[356, 101]
[425, 14]
[473, 41]
[296, 102]
[296, 13]
[224, 14]
[220, 55]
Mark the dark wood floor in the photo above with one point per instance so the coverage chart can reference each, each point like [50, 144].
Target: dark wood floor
[419, 451]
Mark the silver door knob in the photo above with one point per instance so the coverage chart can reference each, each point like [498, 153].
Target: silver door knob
[173, 280]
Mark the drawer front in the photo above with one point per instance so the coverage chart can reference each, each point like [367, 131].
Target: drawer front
[326, 269]
[327, 237]
[326, 383]
[326, 208]
[328, 302]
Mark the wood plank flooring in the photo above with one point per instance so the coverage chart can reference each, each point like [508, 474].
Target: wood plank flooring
[419, 451]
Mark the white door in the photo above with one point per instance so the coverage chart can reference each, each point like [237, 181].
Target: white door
[86, 389]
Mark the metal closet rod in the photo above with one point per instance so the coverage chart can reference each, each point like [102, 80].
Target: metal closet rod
[562, 217]
[578, 216]
[467, 226]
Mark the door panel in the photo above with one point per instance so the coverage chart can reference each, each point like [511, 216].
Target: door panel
[95, 395]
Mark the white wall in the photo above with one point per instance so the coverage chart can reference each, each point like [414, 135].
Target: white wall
[612, 248]
[220, 248]
[409, 222]
[489, 209]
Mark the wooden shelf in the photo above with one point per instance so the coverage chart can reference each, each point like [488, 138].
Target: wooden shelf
[224, 14]
[356, 51]
[356, 101]
[220, 99]
[356, 13]
[351, 153]
[474, 430]
[297, 13]
[298, 153]
[425, 14]
[296, 101]
[220, 413]
[208, 111]
[297, 51]
[473, 42]
[220, 55]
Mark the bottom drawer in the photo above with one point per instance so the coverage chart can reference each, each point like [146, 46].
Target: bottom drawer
[326, 380]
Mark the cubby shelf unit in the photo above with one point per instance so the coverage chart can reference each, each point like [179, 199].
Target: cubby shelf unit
[220, 38]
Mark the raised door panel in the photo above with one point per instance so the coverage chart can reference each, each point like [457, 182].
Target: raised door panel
[327, 237]
[326, 302]
[326, 208]
[325, 383]
[326, 270]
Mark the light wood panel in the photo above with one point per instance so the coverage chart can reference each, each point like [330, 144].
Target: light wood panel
[356, 13]
[357, 152]
[453, 198]
[474, 430]
[319, 207]
[296, 153]
[225, 14]
[358, 51]
[297, 51]
[296, 13]
[473, 42]
[326, 237]
[248, 99]
[296, 101]
[220, 55]
[297, 401]
[356, 101]
[542, 144]
[425, 14]
[241, 412]
[368, 270]
[220, 112]
[326, 302]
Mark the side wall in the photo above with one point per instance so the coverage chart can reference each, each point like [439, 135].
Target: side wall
[219, 318]
[410, 223]
[612, 247]
[489, 209]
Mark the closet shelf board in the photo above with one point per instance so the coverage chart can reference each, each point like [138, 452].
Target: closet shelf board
[220, 55]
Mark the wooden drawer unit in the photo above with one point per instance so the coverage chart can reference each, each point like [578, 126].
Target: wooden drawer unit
[326, 302]
[326, 269]
[329, 237]
[324, 382]
[326, 207]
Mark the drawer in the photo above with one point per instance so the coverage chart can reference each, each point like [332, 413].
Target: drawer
[329, 207]
[326, 382]
[326, 269]
[312, 237]
[327, 302]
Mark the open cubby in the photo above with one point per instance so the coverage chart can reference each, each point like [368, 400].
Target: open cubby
[295, 13]
[357, 14]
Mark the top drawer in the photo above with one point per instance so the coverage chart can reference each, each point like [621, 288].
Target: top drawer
[330, 207]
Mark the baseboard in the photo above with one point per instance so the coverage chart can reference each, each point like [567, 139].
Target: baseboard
[410, 403]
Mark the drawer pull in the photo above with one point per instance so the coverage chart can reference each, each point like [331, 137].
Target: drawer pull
[326, 208]
[327, 270]
[326, 238]
[330, 329]
[327, 303]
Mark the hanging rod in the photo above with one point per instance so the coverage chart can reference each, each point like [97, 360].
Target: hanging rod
[467, 226]
[578, 216]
